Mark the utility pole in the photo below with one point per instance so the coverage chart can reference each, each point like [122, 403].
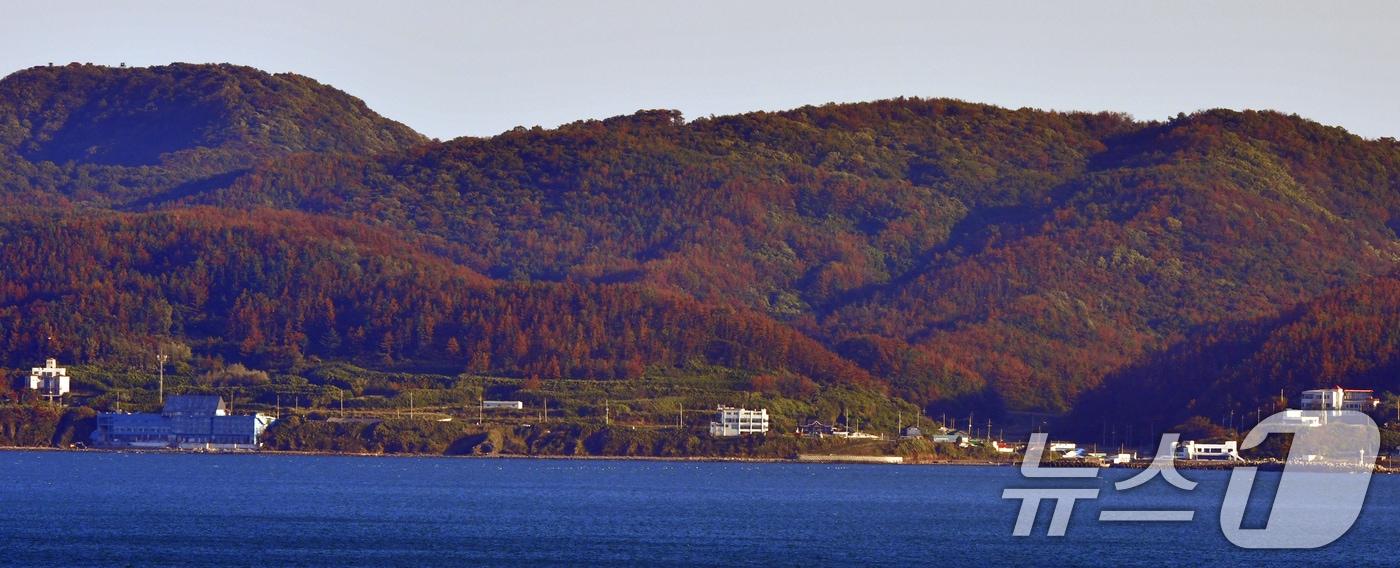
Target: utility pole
[607, 412]
[161, 358]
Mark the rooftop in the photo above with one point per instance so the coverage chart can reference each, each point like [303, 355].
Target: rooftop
[196, 404]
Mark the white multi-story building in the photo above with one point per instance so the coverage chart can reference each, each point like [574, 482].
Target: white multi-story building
[50, 380]
[1338, 398]
[739, 421]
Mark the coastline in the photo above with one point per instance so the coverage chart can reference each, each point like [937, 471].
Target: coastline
[681, 459]
[837, 459]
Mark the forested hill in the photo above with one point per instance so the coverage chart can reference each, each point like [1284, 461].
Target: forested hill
[1348, 337]
[273, 288]
[954, 251]
[1034, 251]
[115, 134]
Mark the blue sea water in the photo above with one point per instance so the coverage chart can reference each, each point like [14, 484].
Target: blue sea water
[115, 509]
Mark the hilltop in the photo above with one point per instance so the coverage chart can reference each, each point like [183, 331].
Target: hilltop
[113, 134]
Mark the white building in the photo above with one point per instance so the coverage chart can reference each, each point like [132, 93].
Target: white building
[1120, 458]
[1300, 418]
[1338, 398]
[1193, 450]
[50, 380]
[503, 404]
[739, 421]
[1003, 447]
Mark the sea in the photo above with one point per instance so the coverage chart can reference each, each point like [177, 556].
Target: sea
[61, 508]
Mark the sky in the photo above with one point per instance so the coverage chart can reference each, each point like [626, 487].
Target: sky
[450, 69]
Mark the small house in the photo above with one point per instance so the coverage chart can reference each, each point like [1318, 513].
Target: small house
[816, 429]
[952, 437]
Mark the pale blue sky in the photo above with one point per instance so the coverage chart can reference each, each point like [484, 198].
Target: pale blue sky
[475, 68]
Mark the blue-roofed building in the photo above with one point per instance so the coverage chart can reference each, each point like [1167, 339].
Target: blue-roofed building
[186, 422]
[195, 405]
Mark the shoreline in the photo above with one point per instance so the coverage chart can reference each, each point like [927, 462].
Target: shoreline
[735, 459]
[837, 459]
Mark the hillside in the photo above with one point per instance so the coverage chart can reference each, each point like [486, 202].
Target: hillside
[962, 256]
[273, 288]
[117, 134]
[1347, 337]
[1038, 251]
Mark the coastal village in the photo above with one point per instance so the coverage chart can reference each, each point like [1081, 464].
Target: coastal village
[207, 421]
